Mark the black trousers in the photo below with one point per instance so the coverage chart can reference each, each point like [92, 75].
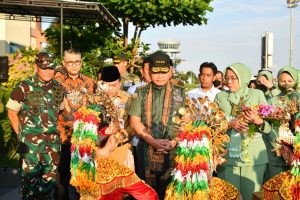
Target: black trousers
[67, 191]
[139, 161]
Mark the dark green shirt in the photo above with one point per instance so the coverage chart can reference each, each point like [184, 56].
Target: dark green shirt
[158, 96]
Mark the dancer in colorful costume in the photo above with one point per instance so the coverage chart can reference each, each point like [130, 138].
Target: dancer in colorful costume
[286, 185]
[96, 134]
[202, 133]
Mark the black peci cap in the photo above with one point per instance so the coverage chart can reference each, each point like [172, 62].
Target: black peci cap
[110, 74]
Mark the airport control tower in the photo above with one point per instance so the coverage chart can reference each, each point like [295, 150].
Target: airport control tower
[171, 48]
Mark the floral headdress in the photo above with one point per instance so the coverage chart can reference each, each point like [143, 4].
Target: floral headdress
[202, 133]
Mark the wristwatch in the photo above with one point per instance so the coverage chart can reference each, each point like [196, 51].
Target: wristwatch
[272, 88]
[262, 126]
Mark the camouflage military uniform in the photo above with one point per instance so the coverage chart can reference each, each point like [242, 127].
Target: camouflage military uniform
[128, 80]
[38, 104]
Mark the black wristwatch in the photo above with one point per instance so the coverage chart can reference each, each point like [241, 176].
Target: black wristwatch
[262, 126]
[272, 88]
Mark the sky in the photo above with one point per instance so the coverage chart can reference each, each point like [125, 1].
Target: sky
[233, 34]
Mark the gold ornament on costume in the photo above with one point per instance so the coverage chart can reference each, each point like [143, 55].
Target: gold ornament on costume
[213, 116]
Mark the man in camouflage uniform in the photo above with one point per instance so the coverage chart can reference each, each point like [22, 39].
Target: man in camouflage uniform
[127, 79]
[33, 110]
[111, 83]
[151, 116]
[76, 87]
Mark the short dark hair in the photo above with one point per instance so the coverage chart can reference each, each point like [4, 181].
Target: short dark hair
[145, 60]
[72, 51]
[219, 72]
[210, 65]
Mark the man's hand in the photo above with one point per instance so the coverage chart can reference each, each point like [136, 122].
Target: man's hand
[161, 145]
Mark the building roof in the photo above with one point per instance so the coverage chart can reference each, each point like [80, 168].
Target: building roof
[52, 8]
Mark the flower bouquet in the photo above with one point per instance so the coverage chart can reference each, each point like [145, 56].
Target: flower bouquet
[277, 116]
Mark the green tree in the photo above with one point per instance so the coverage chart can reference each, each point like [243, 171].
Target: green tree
[144, 14]
[83, 35]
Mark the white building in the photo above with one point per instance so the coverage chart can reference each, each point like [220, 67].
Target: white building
[171, 48]
[17, 32]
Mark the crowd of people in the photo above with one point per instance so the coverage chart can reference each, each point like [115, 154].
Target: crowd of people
[43, 111]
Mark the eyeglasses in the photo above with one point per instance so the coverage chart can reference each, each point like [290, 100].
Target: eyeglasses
[71, 63]
[230, 78]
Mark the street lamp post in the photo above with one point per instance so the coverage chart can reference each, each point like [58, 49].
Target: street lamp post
[291, 4]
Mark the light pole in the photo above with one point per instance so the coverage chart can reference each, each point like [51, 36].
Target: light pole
[291, 4]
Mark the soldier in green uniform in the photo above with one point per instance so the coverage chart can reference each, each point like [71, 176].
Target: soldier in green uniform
[264, 82]
[127, 79]
[33, 110]
[247, 155]
[151, 116]
[287, 83]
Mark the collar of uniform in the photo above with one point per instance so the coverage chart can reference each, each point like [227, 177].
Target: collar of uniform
[155, 87]
[79, 76]
[210, 90]
[38, 83]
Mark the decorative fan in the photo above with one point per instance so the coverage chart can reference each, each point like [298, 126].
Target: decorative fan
[201, 128]
[99, 117]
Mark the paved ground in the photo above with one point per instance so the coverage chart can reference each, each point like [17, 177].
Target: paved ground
[9, 184]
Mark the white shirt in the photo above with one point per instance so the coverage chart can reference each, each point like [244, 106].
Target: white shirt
[132, 89]
[198, 92]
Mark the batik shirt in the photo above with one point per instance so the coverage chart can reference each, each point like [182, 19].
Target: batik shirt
[74, 91]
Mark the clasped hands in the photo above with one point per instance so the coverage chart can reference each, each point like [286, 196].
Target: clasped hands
[163, 146]
[241, 122]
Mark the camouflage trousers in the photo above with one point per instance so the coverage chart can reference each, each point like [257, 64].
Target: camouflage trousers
[39, 158]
